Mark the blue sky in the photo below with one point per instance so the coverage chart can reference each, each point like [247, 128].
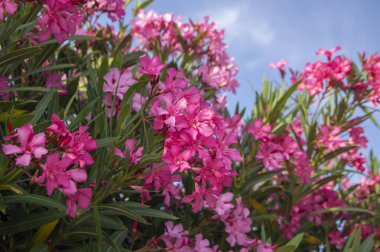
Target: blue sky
[260, 32]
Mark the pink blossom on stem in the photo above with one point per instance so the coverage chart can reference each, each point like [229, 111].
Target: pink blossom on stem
[130, 153]
[30, 144]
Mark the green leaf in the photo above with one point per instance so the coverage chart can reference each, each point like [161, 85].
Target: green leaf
[84, 112]
[35, 199]
[155, 213]
[343, 209]
[367, 244]
[98, 228]
[275, 112]
[45, 69]
[18, 55]
[41, 106]
[30, 222]
[106, 141]
[113, 209]
[292, 245]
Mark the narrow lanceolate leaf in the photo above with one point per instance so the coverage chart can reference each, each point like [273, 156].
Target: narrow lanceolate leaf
[80, 117]
[343, 209]
[18, 55]
[98, 228]
[43, 233]
[154, 213]
[106, 141]
[36, 200]
[292, 245]
[41, 107]
[30, 222]
[113, 209]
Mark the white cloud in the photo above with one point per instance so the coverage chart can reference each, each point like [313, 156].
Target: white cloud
[241, 26]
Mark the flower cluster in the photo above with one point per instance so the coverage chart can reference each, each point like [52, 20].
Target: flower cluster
[58, 172]
[282, 151]
[307, 209]
[203, 39]
[329, 138]
[319, 73]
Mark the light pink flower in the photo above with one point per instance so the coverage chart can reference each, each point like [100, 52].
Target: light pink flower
[151, 67]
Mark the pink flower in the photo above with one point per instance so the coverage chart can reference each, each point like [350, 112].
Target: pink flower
[329, 137]
[259, 130]
[151, 67]
[337, 238]
[4, 96]
[54, 80]
[30, 143]
[58, 126]
[271, 154]
[8, 6]
[60, 19]
[56, 176]
[328, 53]
[175, 237]
[83, 197]
[130, 146]
[175, 159]
[117, 83]
[113, 8]
[279, 66]
[79, 145]
[202, 245]
[223, 205]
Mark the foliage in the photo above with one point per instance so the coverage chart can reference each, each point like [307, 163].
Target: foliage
[119, 139]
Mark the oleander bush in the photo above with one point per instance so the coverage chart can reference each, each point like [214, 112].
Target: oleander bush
[117, 138]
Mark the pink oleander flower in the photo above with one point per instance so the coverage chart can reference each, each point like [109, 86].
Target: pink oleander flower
[79, 145]
[8, 6]
[113, 8]
[337, 238]
[259, 130]
[57, 177]
[151, 67]
[279, 66]
[271, 154]
[130, 146]
[60, 19]
[83, 197]
[223, 204]
[30, 144]
[54, 80]
[58, 126]
[117, 83]
[4, 96]
[328, 53]
[175, 237]
[238, 224]
[202, 245]
[329, 137]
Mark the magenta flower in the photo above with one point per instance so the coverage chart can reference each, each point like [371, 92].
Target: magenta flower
[7, 6]
[279, 66]
[60, 19]
[30, 144]
[54, 80]
[259, 130]
[58, 126]
[54, 175]
[4, 96]
[202, 245]
[151, 67]
[83, 197]
[78, 147]
[130, 147]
